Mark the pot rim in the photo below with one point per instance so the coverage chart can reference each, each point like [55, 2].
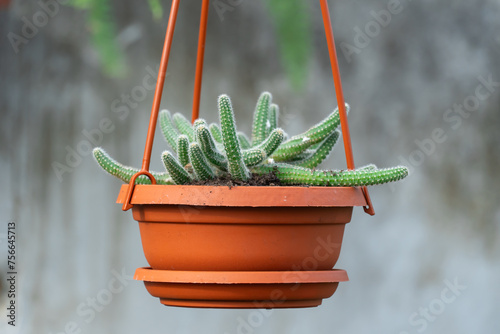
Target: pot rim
[148, 274]
[244, 196]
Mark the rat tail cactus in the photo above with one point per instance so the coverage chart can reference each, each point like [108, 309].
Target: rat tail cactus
[206, 152]
[125, 173]
[232, 147]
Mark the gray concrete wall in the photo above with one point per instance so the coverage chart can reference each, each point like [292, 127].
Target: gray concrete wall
[438, 228]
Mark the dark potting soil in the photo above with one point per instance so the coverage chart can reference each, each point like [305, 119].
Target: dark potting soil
[266, 180]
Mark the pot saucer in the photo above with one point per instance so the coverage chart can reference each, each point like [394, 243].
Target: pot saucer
[241, 289]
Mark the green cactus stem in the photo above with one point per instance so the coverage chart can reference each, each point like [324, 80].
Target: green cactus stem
[298, 144]
[321, 153]
[237, 167]
[272, 118]
[296, 175]
[200, 165]
[209, 148]
[254, 156]
[168, 129]
[184, 126]
[260, 119]
[216, 132]
[323, 129]
[125, 173]
[259, 153]
[302, 156]
[244, 141]
[182, 150]
[291, 148]
[272, 142]
[175, 169]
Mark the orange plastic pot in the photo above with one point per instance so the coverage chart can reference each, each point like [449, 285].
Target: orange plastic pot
[219, 238]
[242, 228]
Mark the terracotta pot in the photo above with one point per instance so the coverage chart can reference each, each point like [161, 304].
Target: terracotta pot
[242, 247]
[258, 289]
[204, 228]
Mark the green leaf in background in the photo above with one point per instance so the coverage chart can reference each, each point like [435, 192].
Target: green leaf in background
[292, 22]
[156, 9]
[103, 32]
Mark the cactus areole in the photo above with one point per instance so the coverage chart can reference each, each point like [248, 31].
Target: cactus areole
[243, 246]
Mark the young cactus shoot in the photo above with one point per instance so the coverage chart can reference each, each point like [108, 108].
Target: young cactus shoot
[206, 152]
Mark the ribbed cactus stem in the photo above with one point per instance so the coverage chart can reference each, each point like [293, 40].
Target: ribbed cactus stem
[291, 148]
[125, 173]
[254, 156]
[182, 149]
[260, 119]
[298, 144]
[175, 169]
[295, 175]
[216, 132]
[273, 141]
[244, 141]
[209, 148]
[302, 156]
[272, 118]
[168, 129]
[323, 129]
[184, 126]
[321, 153]
[200, 165]
[237, 168]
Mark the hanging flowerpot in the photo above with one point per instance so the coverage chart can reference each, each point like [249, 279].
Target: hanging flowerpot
[243, 246]
[242, 228]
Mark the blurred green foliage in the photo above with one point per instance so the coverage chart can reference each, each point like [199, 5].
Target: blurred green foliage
[156, 9]
[291, 21]
[292, 24]
[103, 32]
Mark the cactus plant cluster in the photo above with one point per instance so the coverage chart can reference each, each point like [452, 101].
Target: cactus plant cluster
[206, 151]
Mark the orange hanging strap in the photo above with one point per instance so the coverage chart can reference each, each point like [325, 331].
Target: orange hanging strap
[199, 60]
[340, 98]
[156, 106]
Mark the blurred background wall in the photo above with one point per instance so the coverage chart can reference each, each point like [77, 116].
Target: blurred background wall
[423, 83]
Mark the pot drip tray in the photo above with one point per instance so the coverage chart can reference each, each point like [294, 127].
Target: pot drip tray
[241, 289]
